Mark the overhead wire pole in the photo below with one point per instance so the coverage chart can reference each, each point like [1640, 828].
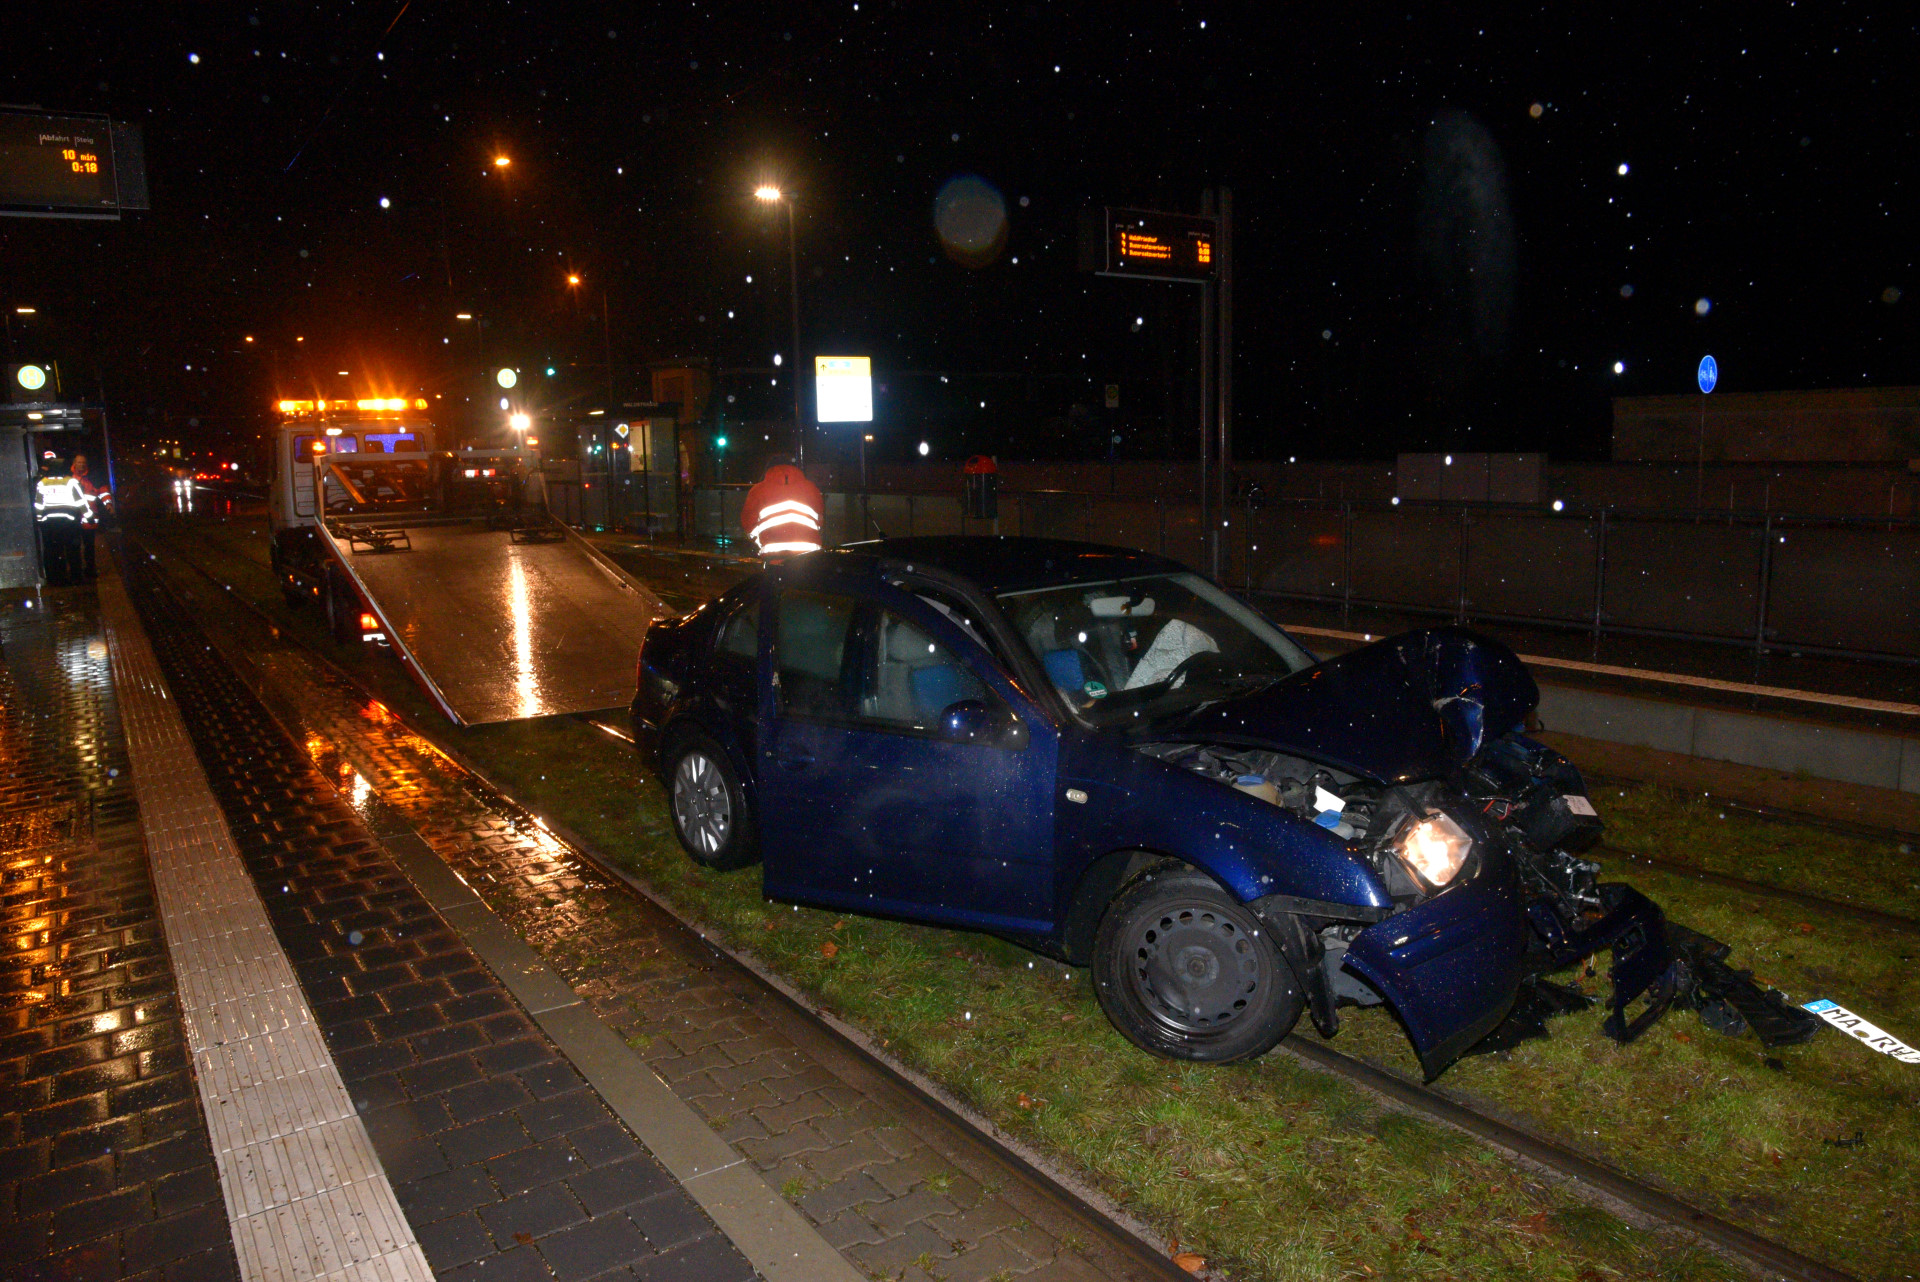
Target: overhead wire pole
[793, 270]
[1223, 344]
[1211, 547]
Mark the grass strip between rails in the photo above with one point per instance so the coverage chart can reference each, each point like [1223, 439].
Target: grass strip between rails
[1289, 1174]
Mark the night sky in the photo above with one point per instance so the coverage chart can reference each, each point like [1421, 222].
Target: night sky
[1446, 233]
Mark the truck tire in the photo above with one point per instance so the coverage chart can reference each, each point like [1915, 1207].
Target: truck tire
[295, 596]
[343, 606]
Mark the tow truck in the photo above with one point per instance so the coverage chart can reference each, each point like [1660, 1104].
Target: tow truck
[451, 559]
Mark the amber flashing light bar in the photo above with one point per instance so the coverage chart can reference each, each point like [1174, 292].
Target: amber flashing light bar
[371, 405]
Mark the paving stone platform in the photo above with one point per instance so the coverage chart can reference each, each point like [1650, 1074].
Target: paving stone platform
[896, 1191]
[106, 1170]
[506, 1164]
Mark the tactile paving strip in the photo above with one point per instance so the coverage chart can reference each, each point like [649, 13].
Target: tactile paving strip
[305, 1191]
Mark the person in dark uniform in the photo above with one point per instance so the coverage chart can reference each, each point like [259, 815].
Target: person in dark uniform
[59, 504]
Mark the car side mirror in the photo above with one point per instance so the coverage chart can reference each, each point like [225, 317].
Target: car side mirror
[975, 721]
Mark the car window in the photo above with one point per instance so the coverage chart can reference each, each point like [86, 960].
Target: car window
[740, 635]
[909, 677]
[1125, 651]
[812, 654]
[961, 615]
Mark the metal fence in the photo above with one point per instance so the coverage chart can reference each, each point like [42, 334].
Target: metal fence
[1841, 586]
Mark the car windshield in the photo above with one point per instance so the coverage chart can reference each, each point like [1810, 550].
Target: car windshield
[1129, 651]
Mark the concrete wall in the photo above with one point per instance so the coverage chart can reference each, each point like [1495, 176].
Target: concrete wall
[1853, 424]
[1801, 489]
[1748, 739]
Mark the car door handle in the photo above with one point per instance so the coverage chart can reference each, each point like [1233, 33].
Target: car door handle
[795, 760]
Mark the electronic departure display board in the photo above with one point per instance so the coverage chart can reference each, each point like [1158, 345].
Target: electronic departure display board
[69, 166]
[1159, 246]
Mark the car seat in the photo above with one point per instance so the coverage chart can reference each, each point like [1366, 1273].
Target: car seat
[914, 681]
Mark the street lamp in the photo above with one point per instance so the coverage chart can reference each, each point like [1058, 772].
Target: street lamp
[773, 195]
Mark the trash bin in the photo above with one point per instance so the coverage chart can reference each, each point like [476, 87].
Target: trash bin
[982, 494]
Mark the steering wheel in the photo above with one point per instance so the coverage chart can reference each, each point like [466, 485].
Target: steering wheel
[1202, 663]
[1091, 668]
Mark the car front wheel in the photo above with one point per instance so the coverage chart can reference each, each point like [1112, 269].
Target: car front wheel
[1185, 972]
[710, 812]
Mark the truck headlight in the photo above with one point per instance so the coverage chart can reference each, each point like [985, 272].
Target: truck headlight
[1435, 848]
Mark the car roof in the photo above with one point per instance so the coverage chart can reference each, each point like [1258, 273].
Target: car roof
[1000, 563]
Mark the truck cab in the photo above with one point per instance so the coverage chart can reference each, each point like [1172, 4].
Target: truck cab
[309, 430]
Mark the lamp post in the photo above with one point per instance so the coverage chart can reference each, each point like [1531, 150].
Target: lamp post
[773, 195]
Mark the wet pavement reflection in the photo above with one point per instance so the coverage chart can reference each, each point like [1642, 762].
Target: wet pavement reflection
[705, 1032]
[105, 1166]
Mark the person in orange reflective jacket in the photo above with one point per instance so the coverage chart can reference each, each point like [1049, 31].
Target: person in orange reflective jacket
[783, 512]
[99, 502]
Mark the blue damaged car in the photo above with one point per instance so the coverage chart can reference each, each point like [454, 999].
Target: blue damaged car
[1106, 757]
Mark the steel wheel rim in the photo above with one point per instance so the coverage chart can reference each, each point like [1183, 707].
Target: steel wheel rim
[701, 805]
[1194, 969]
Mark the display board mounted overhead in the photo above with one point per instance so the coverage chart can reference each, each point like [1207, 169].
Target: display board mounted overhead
[70, 166]
[1150, 244]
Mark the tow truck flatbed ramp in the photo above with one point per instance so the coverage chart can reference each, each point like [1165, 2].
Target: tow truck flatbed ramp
[505, 630]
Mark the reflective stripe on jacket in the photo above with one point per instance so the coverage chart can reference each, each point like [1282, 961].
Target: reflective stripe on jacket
[59, 498]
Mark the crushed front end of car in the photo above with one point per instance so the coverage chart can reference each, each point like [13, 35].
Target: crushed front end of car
[1412, 753]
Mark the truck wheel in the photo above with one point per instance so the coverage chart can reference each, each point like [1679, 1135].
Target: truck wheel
[294, 593]
[343, 607]
[1185, 972]
[711, 816]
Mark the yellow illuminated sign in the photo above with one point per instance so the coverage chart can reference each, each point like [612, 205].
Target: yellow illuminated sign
[1150, 248]
[843, 389]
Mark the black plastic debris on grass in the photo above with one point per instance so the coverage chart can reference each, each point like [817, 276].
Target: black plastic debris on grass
[1538, 1001]
[1731, 1001]
[1728, 1001]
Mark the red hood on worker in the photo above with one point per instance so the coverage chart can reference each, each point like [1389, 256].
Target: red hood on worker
[782, 513]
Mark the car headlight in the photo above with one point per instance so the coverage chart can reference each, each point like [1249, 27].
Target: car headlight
[1435, 848]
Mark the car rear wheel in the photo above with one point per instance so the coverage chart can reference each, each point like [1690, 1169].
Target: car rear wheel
[1185, 972]
[710, 811]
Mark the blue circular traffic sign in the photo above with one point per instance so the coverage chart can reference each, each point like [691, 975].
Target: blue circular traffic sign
[1708, 374]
